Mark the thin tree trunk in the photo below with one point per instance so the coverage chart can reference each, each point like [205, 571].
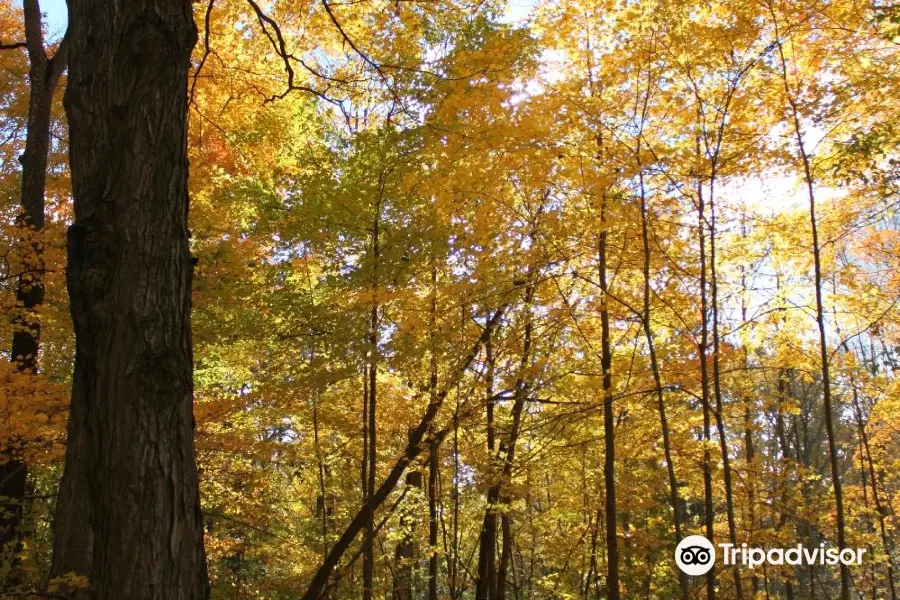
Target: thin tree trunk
[586, 522]
[820, 320]
[595, 564]
[320, 472]
[129, 508]
[369, 543]
[657, 377]
[43, 76]
[717, 381]
[456, 589]
[506, 548]
[485, 583]
[364, 463]
[609, 424]
[522, 387]
[404, 555]
[869, 568]
[709, 510]
[876, 498]
[433, 467]
[455, 586]
[434, 464]
[418, 443]
[786, 456]
[749, 447]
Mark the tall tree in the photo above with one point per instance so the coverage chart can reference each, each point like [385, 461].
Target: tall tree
[647, 325]
[129, 509]
[609, 417]
[43, 75]
[370, 457]
[708, 503]
[794, 116]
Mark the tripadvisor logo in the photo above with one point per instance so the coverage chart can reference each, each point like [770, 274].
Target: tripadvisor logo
[695, 555]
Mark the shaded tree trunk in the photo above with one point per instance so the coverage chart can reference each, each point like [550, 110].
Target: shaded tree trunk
[325, 503]
[880, 509]
[456, 586]
[129, 508]
[867, 470]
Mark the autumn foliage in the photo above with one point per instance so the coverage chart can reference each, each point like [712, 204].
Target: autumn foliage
[431, 218]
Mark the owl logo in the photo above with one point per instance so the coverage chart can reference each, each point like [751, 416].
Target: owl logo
[695, 555]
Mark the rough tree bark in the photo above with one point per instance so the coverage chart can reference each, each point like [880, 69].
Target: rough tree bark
[128, 510]
[43, 75]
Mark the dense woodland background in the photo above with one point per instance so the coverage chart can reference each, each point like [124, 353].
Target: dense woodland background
[499, 302]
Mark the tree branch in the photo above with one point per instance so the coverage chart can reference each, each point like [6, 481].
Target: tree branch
[417, 443]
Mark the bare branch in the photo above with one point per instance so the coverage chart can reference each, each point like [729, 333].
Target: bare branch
[206, 50]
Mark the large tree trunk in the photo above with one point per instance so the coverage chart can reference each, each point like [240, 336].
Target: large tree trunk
[129, 512]
[43, 75]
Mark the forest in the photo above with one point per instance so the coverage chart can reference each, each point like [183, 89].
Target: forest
[448, 299]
